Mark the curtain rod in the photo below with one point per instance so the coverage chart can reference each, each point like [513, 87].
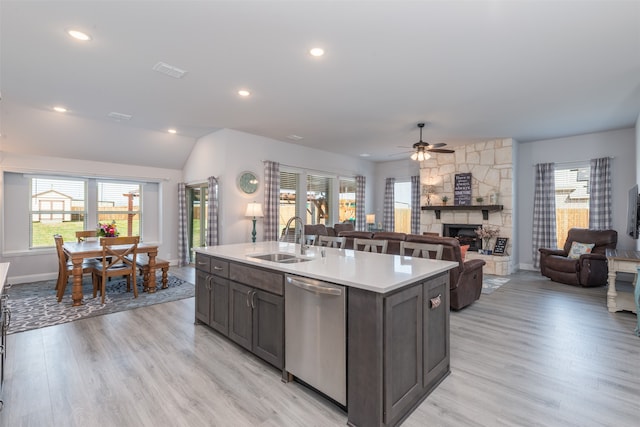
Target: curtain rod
[573, 162]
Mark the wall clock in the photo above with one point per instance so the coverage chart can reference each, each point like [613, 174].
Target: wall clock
[248, 182]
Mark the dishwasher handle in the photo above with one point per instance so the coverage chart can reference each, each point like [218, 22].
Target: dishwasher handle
[312, 287]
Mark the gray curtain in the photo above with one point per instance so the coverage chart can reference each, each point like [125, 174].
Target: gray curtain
[360, 214]
[415, 205]
[600, 194]
[212, 212]
[544, 211]
[388, 215]
[183, 230]
[271, 199]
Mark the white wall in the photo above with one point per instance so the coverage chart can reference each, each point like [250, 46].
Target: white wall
[226, 153]
[399, 169]
[619, 144]
[41, 264]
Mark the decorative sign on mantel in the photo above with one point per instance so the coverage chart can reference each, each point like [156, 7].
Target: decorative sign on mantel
[462, 189]
[501, 246]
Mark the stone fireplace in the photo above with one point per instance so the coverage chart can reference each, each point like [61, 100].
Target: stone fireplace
[465, 233]
[491, 166]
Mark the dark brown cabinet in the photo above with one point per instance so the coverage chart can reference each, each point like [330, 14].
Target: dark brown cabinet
[398, 349]
[244, 303]
[212, 293]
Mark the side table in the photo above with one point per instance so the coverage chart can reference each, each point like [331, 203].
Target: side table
[624, 261]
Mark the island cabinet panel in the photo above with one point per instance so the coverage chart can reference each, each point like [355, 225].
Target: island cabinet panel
[212, 292]
[398, 350]
[403, 351]
[260, 278]
[268, 327]
[436, 329]
[203, 296]
[240, 314]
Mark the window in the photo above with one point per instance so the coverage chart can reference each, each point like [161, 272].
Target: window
[347, 200]
[120, 202]
[318, 200]
[58, 206]
[572, 199]
[288, 197]
[402, 206]
[197, 205]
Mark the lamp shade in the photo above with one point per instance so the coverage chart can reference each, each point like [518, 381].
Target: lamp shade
[371, 218]
[254, 210]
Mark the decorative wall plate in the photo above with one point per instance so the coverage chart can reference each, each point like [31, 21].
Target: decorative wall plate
[248, 182]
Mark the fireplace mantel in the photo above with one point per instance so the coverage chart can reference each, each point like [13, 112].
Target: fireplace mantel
[484, 208]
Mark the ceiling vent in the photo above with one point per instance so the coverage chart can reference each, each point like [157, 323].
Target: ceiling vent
[119, 116]
[169, 70]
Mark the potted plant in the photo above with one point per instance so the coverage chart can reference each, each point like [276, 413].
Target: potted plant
[445, 199]
[479, 200]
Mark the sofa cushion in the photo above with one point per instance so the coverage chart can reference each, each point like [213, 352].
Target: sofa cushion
[578, 249]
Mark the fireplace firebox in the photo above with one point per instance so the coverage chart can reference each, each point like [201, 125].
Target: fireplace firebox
[465, 233]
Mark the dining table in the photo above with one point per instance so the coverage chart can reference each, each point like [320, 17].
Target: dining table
[78, 251]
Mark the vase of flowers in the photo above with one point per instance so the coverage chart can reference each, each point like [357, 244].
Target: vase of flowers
[487, 233]
[108, 229]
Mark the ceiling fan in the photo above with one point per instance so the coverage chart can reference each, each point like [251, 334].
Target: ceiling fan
[422, 149]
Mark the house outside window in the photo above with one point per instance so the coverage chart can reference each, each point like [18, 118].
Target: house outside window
[347, 200]
[572, 199]
[58, 206]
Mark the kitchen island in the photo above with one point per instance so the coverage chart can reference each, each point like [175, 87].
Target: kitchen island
[397, 317]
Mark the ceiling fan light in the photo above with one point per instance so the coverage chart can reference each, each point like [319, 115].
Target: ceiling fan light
[427, 156]
[414, 156]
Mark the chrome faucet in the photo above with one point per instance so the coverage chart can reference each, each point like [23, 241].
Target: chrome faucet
[296, 220]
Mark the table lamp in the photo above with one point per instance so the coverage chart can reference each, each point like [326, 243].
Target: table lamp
[254, 210]
[371, 219]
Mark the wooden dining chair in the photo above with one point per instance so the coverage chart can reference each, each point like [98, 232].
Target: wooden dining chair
[422, 250]
[118, 259]
[86, 235]
[65, 267]
[370, 245]
[332, 242]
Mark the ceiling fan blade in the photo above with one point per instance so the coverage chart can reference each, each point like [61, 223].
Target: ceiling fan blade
[437, 145]
[439, 150]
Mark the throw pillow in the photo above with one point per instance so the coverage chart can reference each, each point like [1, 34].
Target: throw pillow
[463, 251]
[578, 249]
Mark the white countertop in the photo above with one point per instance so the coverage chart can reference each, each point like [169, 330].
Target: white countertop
[374, 272]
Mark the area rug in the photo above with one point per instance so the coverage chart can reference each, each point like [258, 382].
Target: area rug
[34, 305]
[491, 283]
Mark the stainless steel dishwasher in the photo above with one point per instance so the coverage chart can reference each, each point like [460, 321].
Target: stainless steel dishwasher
[315, 335]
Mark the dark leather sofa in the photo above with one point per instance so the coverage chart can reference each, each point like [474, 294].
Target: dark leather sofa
[465, 280]
[588, 270]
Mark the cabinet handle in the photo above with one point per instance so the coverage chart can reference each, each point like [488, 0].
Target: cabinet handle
[435, 302]
[253, 300]
[217, 268]
[249, 298]
[209, 282]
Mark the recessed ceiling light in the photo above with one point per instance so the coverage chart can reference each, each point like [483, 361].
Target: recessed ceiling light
[243, 92]
[317, 51]
[60, 109]
[172, 131]
[365, 155]
[79, 35]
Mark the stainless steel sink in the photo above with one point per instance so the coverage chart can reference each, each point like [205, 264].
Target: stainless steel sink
[280, 257]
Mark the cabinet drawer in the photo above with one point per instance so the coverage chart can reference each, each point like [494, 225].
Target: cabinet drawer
[203, 262]
[219, 267]
[266, 280]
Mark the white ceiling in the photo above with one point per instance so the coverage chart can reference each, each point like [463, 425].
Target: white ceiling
[529, 70]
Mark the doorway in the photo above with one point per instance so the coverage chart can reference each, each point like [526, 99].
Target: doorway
[197, 205]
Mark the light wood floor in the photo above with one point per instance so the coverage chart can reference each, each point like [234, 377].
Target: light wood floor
[533, 353]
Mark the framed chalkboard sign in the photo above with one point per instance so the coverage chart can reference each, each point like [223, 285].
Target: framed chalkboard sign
[462, 189]
[501, 246]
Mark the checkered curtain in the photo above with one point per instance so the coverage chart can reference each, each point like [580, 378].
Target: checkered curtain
[271, 199]
[183, 230]
[600, 194]
[212, 212]
[415, 205]
[388, 217]
[361, 221]
[544, 210]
